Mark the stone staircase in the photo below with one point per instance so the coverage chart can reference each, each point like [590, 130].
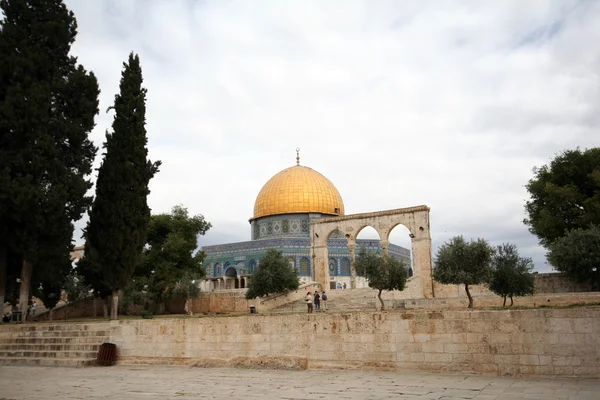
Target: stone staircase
[47, 344]
[363, 299]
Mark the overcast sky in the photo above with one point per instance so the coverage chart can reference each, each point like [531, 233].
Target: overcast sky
[399, 103]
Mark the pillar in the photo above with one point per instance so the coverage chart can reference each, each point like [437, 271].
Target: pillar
[321, 270]
[422, 264]
[352, 248]
[384, 246]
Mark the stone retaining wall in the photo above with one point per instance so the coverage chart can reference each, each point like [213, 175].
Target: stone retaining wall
[560, 342]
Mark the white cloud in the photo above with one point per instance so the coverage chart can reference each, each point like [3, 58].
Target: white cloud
[398, 103]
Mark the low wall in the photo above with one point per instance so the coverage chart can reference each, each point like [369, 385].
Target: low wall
[234, 301]
[561, 342]
[482, 301]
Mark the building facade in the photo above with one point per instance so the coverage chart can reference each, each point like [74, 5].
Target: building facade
[283, 211]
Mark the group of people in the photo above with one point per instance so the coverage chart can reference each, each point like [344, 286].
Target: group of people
[12, 314]
[316, 300]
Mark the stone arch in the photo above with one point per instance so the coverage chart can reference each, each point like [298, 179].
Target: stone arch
[415, 219]
[231, 272]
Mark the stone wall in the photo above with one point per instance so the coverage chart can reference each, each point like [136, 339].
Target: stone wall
[558, 283]
[552, 282]
[551, 342]
[234, 301]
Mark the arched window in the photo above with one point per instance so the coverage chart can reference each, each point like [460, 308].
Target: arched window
[304, 267]
[252, 266]
[332, 267]
[218, 269]
[345, 267]
[209, 270]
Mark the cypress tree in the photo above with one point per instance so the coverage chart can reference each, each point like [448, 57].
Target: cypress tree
[47, 107]
[118, 224]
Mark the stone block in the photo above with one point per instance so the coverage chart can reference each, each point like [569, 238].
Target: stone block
[529, 359]
[456, 348]
[483, 359]
[433, 347]
[581, 325]
[438, 357]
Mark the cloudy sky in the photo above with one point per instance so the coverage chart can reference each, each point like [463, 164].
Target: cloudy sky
[399, 103]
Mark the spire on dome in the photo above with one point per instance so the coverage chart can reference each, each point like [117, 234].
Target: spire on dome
[297, 155]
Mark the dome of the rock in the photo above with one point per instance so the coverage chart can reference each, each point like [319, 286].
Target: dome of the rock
[295, 190]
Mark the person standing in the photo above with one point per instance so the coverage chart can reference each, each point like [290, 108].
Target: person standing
[309, 302]
[324, 298]
[317, 300]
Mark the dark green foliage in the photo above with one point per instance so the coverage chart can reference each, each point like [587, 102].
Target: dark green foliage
[577, 255]
[49, 294]
[512, 275]
[169, 264]
[383, 272]
[274, 275]
[47, 107]
[463, 263]
[118, 225]
[50, 277]
[565, 195]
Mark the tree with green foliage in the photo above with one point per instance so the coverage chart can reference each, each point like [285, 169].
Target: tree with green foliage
[47, 107]
[565, 195]
[382, 272]
[273, 275]
[170, 260]
[117, 229]
[459, 262]
[512, 275]
[577, 255]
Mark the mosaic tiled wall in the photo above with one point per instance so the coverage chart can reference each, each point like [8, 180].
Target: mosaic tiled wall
[244, 257]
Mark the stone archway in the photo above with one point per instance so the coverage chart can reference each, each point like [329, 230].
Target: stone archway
[231, 275]
[415, 219]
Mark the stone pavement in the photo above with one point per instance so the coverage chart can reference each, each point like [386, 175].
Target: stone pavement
[162, 382]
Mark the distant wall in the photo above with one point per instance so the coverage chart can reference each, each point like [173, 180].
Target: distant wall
[552, 282]
[558, 283]
[553, 342]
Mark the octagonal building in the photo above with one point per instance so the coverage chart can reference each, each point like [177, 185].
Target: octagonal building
[283, 210]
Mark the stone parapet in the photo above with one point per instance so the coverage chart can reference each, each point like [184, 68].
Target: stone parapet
[561, 342]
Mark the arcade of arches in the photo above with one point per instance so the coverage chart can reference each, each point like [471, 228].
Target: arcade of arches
[415, 219]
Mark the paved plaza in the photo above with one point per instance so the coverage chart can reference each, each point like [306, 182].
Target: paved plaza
[159, 382]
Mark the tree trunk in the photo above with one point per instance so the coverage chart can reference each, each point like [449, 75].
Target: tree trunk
[24, 288]
[94, 305]
[51, 314]
[105, 308]
[3, 262]
[469, 295]
[114, 311]
[511, 301]
[381, 300]
[504, 302]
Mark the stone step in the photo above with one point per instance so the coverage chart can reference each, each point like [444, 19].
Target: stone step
[56, 340]
[54, 362]
[50, 334]
[47, 354]
[49, 347]
[42, 327]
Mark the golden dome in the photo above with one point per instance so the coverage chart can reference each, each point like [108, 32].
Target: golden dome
[298, 189]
